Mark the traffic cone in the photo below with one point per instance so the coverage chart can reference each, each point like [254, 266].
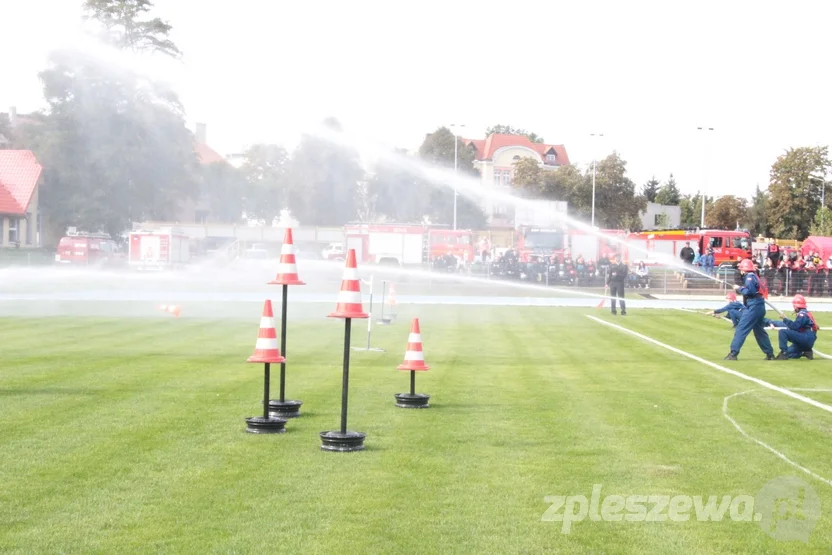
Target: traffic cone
[414, 359]
[172, 309]
[391, 299]
[349, 298]
[287, 270]
[266, 349]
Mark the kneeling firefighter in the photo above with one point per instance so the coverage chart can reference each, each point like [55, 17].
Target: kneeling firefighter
[802, 332]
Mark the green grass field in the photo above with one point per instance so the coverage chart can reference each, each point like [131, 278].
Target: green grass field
[127, 435]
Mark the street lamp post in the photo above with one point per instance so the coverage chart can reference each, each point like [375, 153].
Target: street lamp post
[594, 164]
[705, 184]
[456, 140]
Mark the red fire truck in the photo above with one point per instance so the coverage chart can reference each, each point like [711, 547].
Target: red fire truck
[158, 250]
[407, 244]
[659, 246]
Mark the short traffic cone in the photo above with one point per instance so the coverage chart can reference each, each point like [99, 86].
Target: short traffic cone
[414, 361]
[287, 269]
[349, 298]
[172, 309]
[266, 351]
[414, 358]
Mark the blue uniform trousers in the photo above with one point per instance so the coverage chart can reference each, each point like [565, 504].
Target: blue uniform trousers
[801, 342]
[751, 319]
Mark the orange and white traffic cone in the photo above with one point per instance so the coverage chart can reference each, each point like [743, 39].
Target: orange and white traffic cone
[266, 351]
[349, 298]
[287, 269]
[174, 309]
[266, 348]
[414, 358]
[414, 361]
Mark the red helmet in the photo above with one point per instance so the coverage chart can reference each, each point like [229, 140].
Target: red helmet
[798, 301]
[746, 266]
[731, 296]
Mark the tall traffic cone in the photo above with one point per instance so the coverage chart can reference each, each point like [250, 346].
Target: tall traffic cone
[287, 269]
[414, 361]
[287, 274]
[349, 307]
[172, 309]
[349, 298]
[266, 349]
[267, 352]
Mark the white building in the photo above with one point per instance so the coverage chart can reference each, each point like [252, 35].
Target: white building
[495, 157]
[660, 216]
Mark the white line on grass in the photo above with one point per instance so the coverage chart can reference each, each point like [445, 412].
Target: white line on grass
[821, 355]
[765, 445]
[757, 381]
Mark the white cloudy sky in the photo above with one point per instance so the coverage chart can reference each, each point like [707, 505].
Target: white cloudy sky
[646, 74]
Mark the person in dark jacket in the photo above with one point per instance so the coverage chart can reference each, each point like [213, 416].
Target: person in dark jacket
[687, 255]
[732, 310]
[754, 315]
[802, 332]
[616, 278]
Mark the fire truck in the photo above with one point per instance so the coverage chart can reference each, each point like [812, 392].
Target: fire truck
[158, 250]
[407, 244]
[662, 246]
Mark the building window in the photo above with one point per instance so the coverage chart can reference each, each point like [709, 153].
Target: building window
[551, 158]
[13, 237]
[502, 177]
[516, 157]
[28, 229]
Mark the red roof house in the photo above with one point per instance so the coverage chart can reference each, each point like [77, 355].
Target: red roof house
[19, 177]
[485, 149]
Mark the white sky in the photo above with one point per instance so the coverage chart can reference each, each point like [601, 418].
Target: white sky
[645, 74]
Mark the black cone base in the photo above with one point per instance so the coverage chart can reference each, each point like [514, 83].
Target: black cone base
[284, 409]
[336, 441]
[260, 425]
[415, 401]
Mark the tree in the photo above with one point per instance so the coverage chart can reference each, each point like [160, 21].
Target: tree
[822, 224]
[398, 193]
[266, 183]
[114, 147]
[651, 189]
[438, 150]
[222, 187]
[662, 220]
[528, 178]
[125, 27]
[509, 130]
[616, 203]
[325, 177]
[669, 193]
[795, 191]
[757, 218]
[728, 211]
[691, 209]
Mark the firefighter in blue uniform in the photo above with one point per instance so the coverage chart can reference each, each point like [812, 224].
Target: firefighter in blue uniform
[802, 332]
[754, 315]
[732, 310]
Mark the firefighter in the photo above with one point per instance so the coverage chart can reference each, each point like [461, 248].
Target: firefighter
[802, 332]
[616, 277]
[752, 318]
[732, 310]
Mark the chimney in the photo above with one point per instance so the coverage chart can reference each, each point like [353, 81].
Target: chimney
[12, 116]
[201, 133]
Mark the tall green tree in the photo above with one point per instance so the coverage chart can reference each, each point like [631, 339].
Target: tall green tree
[757, 214]
[399, 194]
[222, 188]
[325, 179]
[727, 211]
[617, 206]
[669, 193]
[796, 180]
[266, 190]
[127, 25]
[651, 189]
[438, 150]
[691, 209]
[509, 130]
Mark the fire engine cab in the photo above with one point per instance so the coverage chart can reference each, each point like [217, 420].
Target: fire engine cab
[662, 245]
